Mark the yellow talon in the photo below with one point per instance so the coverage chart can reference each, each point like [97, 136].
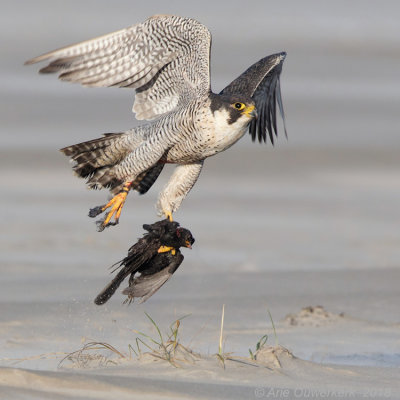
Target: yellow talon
[164, 249]
[116, 204]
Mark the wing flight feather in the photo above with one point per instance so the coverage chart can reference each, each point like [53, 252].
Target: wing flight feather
[165, 58]
[262, 82]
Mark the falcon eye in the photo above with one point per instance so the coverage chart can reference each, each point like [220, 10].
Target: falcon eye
[239, 106]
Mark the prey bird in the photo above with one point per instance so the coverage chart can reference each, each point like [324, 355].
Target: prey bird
[166, 59]
[150, 262]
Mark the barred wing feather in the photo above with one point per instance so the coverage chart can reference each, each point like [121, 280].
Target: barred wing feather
[165, 58]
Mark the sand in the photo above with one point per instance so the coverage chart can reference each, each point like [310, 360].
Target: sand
[349, 347]
[307, 231]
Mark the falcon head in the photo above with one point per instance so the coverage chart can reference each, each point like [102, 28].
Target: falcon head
[235, 110]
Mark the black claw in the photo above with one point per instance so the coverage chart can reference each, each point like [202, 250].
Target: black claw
[94, 212]
[101, 226]
[112, 223]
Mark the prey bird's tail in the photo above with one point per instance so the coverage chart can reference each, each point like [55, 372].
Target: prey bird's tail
[110, 289]
[138, 255]
[96, 160]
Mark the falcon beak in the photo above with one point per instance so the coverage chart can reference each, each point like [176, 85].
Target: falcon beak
[188, 244]
[250, 111]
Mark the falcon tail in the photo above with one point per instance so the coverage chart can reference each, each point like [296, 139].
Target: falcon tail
[96, 158]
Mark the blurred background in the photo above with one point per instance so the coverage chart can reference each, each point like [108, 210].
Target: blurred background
[325, 200]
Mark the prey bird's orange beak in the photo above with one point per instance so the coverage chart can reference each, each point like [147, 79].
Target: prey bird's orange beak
[188, 244]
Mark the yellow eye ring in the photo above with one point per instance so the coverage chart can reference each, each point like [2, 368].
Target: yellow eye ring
[239, 106]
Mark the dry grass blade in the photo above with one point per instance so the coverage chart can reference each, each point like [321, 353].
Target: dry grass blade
[220, 355]
[82, 357]
[273, 327]
[156, 326]
[222, 330]
[174, 328]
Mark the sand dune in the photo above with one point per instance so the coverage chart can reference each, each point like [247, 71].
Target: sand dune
[275, 371]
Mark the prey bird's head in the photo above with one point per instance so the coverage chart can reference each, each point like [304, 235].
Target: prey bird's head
[184, 238]
[170, 234]
[177, 237]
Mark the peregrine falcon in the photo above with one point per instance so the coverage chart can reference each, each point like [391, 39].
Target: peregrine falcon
[150, 262]
[166, 59]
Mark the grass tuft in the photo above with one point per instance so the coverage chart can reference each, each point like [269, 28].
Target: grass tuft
[84, 357]
[169, 349]
[263, 340]
[163, 345]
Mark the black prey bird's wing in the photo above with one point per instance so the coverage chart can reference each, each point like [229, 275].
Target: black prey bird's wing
[262, 82]
[146, 285]
[138, 254]
[141, 252]
[146, 247]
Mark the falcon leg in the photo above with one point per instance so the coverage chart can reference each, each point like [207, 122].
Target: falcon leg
[168, 215]
[116, 204]
[177, 188]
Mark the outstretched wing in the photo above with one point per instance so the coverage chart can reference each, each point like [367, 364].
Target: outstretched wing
[165, 58]
[261, 82]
